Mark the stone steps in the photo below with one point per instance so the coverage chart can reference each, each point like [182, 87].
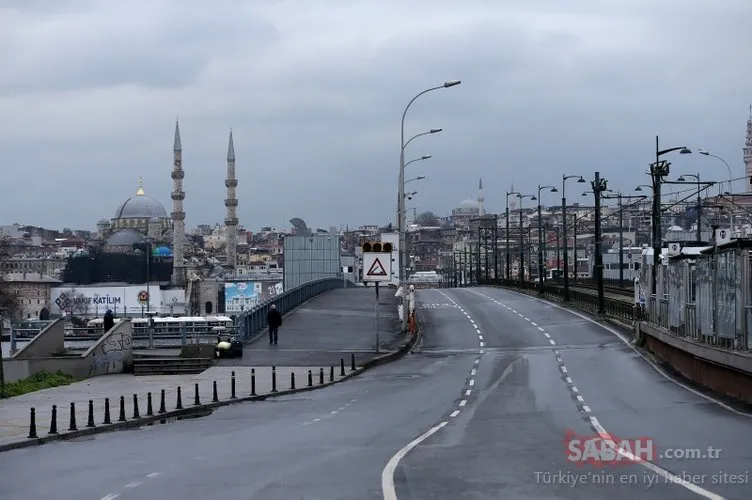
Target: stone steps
[170, 366]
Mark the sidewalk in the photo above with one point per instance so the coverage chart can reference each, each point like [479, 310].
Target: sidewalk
[330, 326]
[14, 412]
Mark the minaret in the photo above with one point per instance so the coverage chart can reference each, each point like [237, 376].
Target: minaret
[231, 203]
[178, 215]
[481, 199]
[748, 152]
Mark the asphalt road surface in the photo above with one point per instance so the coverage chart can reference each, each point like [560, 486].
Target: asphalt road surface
[481, 410]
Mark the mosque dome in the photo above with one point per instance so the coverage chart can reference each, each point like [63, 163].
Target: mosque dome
[126, 237]
[469, 204]
[141, 206]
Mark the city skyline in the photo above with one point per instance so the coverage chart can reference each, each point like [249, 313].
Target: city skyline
[315, 107]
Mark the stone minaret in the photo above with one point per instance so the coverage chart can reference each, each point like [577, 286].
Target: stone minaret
[748, 153]
[178, 215]
[231, 203]
[481, 199]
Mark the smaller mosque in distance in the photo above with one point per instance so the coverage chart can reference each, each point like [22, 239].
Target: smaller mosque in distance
[138, 218]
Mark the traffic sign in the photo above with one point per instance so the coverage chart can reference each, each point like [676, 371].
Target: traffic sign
[377, 266]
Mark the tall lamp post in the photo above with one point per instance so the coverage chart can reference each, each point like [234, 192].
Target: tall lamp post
[508, 256]
[703, 152]
[540, 236]
[599, 186]
[401, 197]
[564, 179]
[522, 249]
[658, 171]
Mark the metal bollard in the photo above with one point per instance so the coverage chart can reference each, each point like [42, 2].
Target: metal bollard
[162, 408]
[321, 375]
[149, 409]
[352, 361]
[274, 379]
[53, 421]
[33, 423]
[121, 418]
[341, 367]
[90, 420]
[179, 404]
[196, 400]
[73, 426]
[232, 386]
[253, 381]
[107, 411]
[136, 413]
[310, 378]
[331, 374]
[292, 380]
[215, 396]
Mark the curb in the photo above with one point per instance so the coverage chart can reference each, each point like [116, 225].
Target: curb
[207, 408]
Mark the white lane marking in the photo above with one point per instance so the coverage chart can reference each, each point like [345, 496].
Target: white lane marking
[473, 372]
[527, 319]
[477, 361]
[569, 380]
[580, 399]
[463, 402]
[480, 337]
[559, 360]
[575, 389]
[541, 329]
[483, 344]
[134, 484]
[467, 392]
[387, 475]
[546, 335]
[556, 352]
[670, 478]
[563, 369]
[471, 383]
[482, 351]
[454, 413]
[552, 341]
[154, 474]
[534, 323]
[111, 496]
[586, 408]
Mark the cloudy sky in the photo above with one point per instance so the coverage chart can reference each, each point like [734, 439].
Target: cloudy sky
[314, 91]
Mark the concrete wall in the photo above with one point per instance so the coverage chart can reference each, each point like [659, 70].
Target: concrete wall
[113, 353]
[17, 369]
[49, 341]
[720, 370]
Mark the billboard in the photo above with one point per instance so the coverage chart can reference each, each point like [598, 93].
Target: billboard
[245, 295]
[131, 300]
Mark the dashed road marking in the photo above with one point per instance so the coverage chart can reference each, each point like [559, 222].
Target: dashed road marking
[463, 402]
[111, 496]
[467, 392]
[133, 484]
[454, 413]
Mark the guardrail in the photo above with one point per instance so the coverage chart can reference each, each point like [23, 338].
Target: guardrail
[249, 323]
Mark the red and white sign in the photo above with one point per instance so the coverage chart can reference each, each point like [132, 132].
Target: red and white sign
[377, 266]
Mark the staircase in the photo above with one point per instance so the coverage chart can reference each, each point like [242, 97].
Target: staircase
[170, 366]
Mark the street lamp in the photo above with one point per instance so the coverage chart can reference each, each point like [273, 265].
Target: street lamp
[699, 202]
[599, 186]
[419, 178]
[428, 132]
[509, 265]
[639, 188]
[703, 152]
[540, 236]
[564, 179]
[658, 171]
[522, 252]
[401, 187]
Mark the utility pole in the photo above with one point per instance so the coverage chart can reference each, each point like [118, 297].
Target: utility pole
[496, 246]
[599, 185]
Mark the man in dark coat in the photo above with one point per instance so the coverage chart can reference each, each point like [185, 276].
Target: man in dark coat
[274, 320]
[109, 320]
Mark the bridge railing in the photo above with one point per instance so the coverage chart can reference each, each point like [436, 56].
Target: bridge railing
[252, 321]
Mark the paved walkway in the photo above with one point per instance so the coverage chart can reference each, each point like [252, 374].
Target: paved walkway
[331, 326]
[14, 412]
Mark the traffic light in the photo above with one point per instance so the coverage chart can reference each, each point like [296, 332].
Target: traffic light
[369, 247]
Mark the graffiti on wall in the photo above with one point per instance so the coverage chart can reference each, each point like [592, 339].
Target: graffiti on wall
[112, 354]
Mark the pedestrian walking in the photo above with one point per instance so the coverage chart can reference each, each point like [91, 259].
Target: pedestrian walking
[274, 320]
[109, 320]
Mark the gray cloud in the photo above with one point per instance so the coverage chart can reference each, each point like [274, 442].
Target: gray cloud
[314, 91]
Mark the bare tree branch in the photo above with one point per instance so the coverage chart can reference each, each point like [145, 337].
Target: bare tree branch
[10, 298]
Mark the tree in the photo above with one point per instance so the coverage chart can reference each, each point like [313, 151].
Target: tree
[427, 219]
[79, 303]
[10, 298]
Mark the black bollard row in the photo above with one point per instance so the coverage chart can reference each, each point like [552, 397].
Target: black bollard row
[53, 420]
[121, 417]
[341, 367]
[292, 380]
[162, 407]
[196, 399]
[253, 381]
[232, 386]
[274, 379]
[90, 420]
[321, 375]
[215, 396]
[310, 378]
[352, 361]
[107, 411]
[179, 404]
[136, 413]
[33, 423]
[331, 374]
[73, 426]
[149, 409]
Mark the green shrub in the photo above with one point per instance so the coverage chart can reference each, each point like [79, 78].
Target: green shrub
[37, 382]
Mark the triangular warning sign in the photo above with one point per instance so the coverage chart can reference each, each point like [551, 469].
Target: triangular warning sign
[376, 269]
